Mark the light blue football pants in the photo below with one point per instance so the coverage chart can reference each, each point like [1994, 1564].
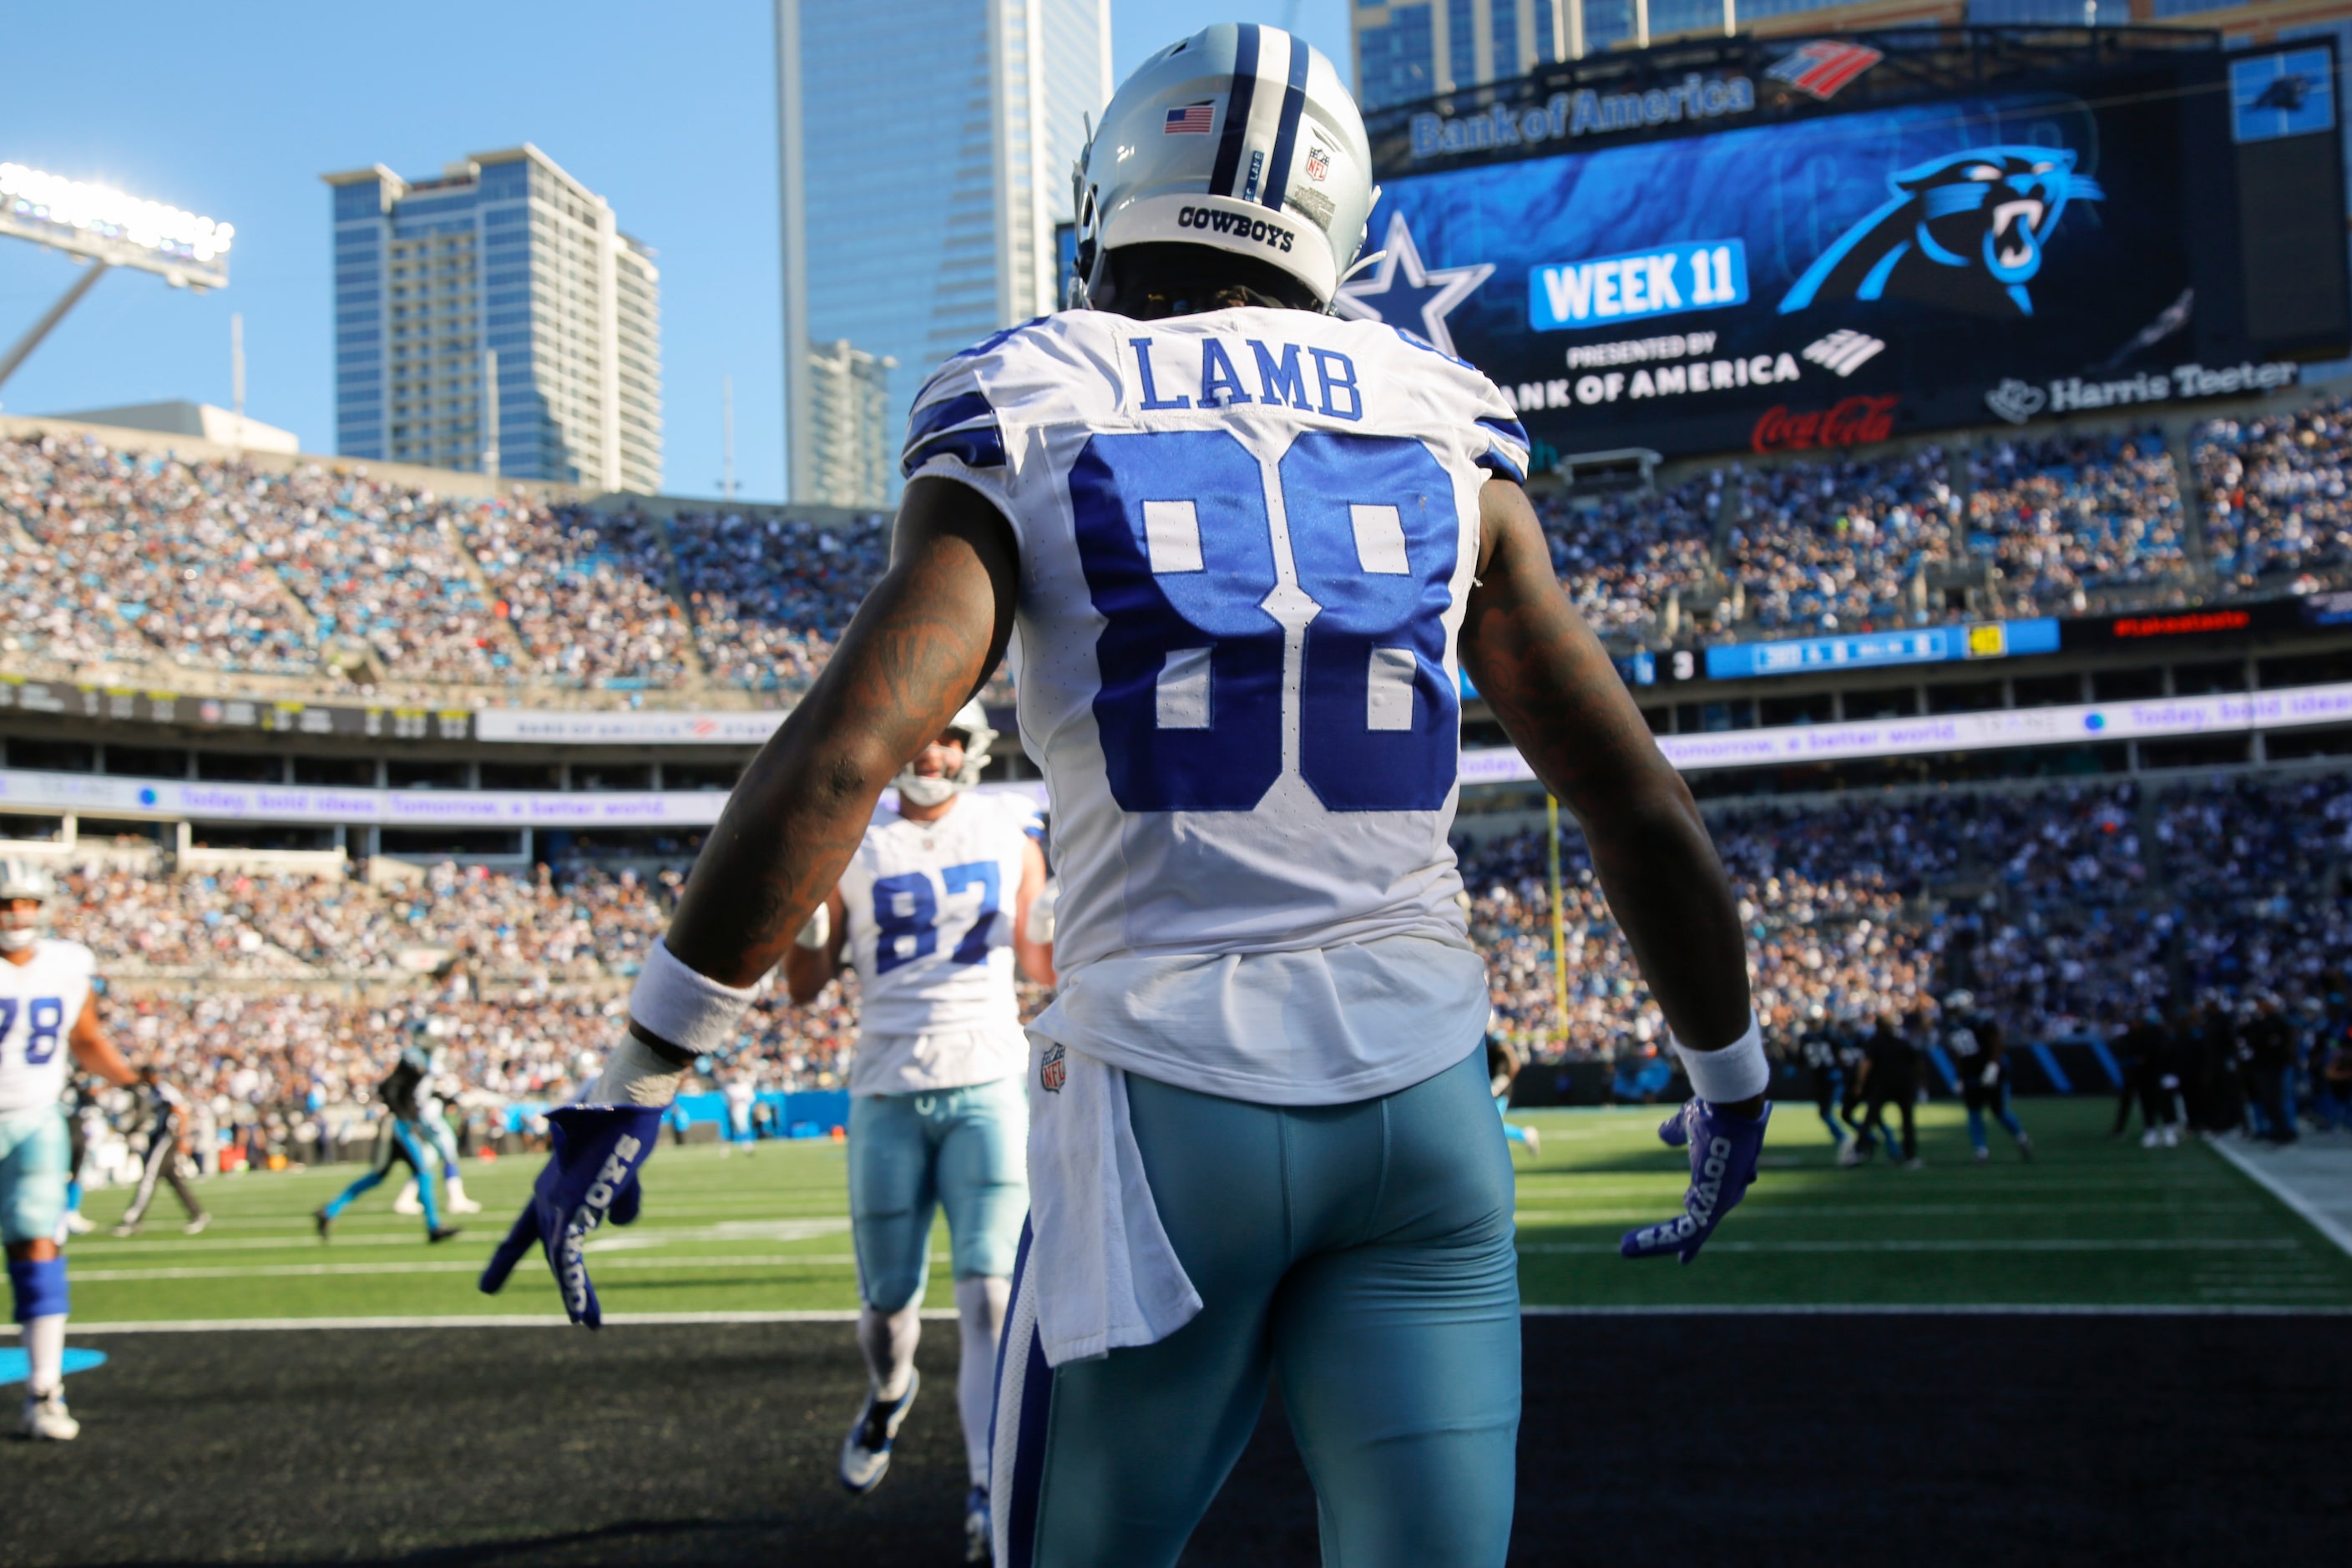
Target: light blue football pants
[965, 1150]
[34, 1151]
[1361, 1252]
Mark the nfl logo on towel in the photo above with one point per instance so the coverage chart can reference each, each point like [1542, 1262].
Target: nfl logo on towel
[1051, 1072]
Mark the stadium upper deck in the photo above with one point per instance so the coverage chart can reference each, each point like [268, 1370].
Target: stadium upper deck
[198, 572]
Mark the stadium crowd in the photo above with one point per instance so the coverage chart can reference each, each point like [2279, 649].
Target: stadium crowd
[2070, 913]
[114, 557]
[2275, 496]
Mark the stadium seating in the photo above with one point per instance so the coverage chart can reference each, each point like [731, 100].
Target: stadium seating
[2067, 909]
[118, 558]
[2274, 492]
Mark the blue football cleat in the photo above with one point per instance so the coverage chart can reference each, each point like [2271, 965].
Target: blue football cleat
[866, 1452]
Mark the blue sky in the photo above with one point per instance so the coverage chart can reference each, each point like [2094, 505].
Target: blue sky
[233, 112]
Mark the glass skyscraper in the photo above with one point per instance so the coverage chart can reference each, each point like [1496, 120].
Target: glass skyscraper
[503, 264]
[925, 148]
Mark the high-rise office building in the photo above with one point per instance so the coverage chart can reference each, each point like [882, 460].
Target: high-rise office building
[925, 155]
[854, 445]
[506, 276]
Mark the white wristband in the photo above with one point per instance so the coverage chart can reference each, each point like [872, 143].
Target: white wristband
[817, 934]
[691, 1011]
[1737, 1072]
[634, 1074]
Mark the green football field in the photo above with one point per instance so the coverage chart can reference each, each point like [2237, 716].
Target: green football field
[2093, 1223]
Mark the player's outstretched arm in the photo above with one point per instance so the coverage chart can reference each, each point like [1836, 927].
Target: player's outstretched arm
[1557, 696]
[922, 645]
[918, 649]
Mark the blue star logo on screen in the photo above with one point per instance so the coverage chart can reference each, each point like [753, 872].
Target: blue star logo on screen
[1403, 292]
[2291, 93]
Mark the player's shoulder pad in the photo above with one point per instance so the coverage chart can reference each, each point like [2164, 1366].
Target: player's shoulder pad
[1480, 402]
[59, 950]
[957, 413]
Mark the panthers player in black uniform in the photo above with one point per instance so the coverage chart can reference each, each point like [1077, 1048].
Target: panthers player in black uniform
[398, 1137]
[1890, 1076]
[1980, 1061]
[1818, 1050]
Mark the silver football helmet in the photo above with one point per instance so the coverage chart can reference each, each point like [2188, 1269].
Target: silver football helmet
[972, 722]
[1242, 138]
[22, 882]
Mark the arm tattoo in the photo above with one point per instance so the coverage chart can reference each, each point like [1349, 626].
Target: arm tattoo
[919, 647]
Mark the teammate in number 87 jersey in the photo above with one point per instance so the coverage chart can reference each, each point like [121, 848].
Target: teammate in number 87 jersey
[934, 908]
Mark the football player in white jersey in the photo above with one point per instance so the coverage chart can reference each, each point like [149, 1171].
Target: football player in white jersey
[45, 1003]
[1243, 551]
[934, 914]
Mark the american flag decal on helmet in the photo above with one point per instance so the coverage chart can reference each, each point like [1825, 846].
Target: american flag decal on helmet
[1193, 119]
[1821, 67]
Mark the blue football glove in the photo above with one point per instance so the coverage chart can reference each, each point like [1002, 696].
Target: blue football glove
[591, 1176]
[1723, 1150]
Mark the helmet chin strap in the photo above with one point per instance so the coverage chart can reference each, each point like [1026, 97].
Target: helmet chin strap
[927, 791]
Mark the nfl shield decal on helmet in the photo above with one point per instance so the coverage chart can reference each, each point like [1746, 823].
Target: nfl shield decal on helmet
[1052, 1072]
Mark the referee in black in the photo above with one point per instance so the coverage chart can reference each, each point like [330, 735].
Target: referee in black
[1890, 1076]
[167, 1110]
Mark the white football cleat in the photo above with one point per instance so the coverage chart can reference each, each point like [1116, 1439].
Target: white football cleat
[458, 1202]
[866, 1452]
[76, 1223]
[979, 1540]
[47, 1420]
[408, 1202]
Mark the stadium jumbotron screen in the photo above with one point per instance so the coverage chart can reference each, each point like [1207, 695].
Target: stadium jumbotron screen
[1734, 245]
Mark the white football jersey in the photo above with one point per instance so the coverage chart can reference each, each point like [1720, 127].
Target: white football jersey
[39, 1003]
[929, 908]
[1246, 539]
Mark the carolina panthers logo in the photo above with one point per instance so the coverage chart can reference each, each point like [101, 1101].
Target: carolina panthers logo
[1964, 232]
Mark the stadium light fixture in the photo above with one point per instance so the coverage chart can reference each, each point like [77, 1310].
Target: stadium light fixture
[122, 230]
[104, 227]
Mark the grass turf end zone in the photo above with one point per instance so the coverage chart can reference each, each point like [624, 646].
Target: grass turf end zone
[2093, 1223]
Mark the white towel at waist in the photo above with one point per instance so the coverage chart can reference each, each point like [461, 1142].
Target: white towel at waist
[1107, 1276]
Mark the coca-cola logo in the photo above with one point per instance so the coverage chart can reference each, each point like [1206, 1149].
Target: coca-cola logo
[1848, 422]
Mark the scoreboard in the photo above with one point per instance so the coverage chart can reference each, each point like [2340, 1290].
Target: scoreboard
[1738, 244]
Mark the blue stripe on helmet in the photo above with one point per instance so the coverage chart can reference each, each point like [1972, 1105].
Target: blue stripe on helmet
[1237, 114]
[1285, 135]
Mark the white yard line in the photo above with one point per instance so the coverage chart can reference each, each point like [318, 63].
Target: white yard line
[454, 1266]
[1821, 1309]
[2087, 1243]
[2314, 1182]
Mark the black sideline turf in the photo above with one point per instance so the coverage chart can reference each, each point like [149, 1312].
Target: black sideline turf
[1678, 1440]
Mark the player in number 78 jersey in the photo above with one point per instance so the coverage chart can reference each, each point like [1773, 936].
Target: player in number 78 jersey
[48, 1020]
[1242, 552]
